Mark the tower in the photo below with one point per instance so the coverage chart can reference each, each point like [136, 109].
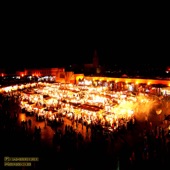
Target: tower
[95, 60]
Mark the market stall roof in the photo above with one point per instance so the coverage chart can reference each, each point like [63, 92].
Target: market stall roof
[89, 107]
[159, 85]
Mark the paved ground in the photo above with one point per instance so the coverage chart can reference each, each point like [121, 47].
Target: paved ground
[18, 145]
[47, 135]
[47, 132]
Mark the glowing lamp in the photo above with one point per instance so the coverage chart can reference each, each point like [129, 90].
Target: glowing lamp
[158, 111]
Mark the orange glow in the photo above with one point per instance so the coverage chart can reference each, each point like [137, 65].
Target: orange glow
[131, 80]
[22, 117]
[79, 77]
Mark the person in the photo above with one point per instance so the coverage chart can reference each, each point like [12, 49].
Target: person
[29, 123]
[39, 130]
[45, 123]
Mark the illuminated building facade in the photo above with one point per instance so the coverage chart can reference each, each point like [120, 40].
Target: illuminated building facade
[58, 73]
[155, 86]
[117, 83]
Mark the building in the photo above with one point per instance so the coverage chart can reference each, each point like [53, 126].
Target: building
[155, 86]
[94, 67]
[2, 72]
[57, 73]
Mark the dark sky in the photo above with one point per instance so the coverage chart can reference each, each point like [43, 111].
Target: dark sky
[43, 40]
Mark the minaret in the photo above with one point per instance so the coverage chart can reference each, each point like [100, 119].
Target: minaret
[95, 60]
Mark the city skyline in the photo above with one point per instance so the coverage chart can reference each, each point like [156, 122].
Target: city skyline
[38, 42]
[37, 51]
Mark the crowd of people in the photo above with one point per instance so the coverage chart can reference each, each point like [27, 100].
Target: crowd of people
[134, 146]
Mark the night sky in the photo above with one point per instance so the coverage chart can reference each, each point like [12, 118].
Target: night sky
[47, 41]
